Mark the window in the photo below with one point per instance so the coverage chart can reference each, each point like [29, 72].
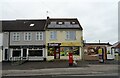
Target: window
[70, 35]
[35, 52]
[27, 36]
[53, 35]
[51, 51]
[64, 51]
[16, 53]
[31, 25]
[60, 22]
[73, 22]
[39, 36]
[16, 36]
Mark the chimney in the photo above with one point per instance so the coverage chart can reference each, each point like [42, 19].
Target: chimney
[48, 17]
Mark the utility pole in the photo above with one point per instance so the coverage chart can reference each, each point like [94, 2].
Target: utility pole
[47, 13]
[99, 41]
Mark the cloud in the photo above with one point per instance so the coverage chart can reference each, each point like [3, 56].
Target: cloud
[97, 17]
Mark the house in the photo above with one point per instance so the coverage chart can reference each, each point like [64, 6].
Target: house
[91, 50]
[24, 39]
[41, 39]
[116, 49]
[0, 53]
[64, 35]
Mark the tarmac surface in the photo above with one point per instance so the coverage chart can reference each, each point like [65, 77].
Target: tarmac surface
[53, 76]
[61, 69]
[52, 64]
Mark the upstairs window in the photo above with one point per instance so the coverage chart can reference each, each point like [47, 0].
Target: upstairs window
[70, 35]
[31, 25]
[27, 36]
[16, 36]
[73, 22]
[39, 35]
[60, 22]
[53, 35]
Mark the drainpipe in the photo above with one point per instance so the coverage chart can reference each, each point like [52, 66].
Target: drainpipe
[8, 46]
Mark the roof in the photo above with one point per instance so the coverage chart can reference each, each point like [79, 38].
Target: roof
[98, 44]
[64, 26]
[23, 25]
[116, 45]
[38, 24]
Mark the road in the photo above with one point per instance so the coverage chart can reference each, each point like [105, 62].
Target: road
[61, 76]
[91, 70]
[60, 70]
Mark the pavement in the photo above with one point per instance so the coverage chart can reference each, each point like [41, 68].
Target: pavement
[60, 69]
[52, 64]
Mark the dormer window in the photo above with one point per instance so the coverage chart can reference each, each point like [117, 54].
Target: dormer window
[31, 25]
[73, 22]
[60, 22]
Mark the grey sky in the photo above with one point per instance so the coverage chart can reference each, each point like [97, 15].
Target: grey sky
[99, 18]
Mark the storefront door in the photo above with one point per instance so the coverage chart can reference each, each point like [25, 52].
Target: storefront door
[57, 53]
[24, 52]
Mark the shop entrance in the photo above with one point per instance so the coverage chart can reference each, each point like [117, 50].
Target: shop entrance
[54, 50]
[57, 53]
[24, 52]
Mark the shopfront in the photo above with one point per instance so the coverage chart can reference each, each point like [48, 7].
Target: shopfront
[61, 50]
[27, 52]
[54, 50]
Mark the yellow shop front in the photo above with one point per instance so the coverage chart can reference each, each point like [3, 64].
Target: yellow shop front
[61, 50]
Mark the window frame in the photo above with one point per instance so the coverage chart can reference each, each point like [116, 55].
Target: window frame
[16, 36]
[53, 35]
[27, 36]
[34, 50]
[69, 35]
[39, 36]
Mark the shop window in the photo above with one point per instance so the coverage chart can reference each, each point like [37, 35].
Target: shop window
[64, 51]
[35, 52]
[16, 53]
[51, 51]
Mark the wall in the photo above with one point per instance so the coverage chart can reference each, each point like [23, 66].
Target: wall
[90, 55]
[5, 39]
[23, 42]
[0, 26]
[61, 36]
[0, 55]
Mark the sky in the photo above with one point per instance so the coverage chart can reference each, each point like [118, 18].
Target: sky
[99, 18]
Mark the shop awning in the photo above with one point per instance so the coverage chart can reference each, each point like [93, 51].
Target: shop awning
[70, 44]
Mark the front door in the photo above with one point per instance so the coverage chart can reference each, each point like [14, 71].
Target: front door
[24, 53]
[57, 53]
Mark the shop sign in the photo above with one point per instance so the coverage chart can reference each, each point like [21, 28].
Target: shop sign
[53, 44]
